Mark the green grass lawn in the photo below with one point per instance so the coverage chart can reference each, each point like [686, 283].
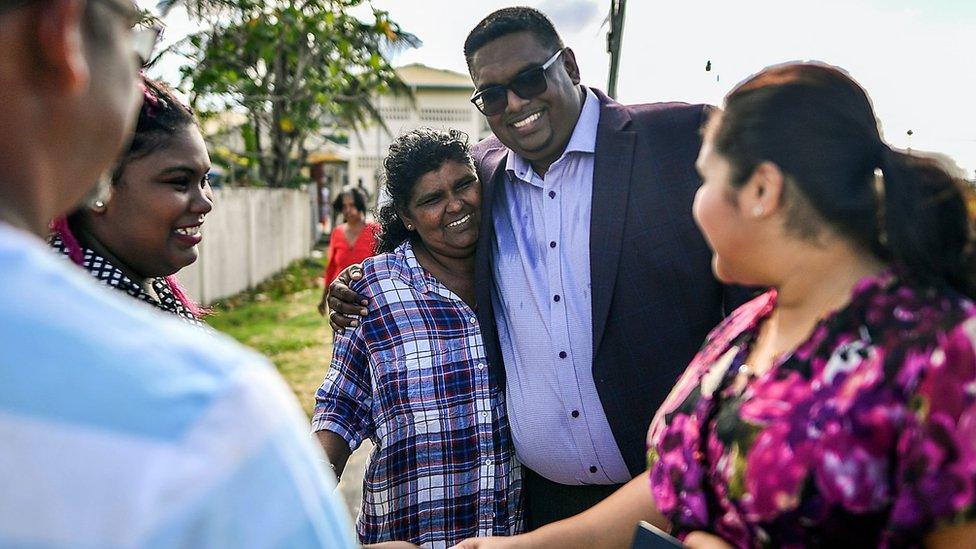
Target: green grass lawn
[279, 320]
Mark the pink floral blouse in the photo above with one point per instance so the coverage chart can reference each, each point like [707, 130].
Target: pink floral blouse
[864, 436]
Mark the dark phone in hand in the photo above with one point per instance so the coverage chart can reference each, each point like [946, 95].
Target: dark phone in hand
[649, 536]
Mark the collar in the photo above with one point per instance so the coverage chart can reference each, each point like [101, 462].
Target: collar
[583, 139]
[411, 272]
[106, 272]
[409, 269]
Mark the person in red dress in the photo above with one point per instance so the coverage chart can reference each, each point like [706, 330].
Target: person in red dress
[352, 241]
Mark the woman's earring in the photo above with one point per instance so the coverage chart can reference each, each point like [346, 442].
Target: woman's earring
[758, 211]
[98, 206]
[409, 227]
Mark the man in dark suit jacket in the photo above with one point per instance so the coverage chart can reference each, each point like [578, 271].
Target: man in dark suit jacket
[594, 284]
[653, 297]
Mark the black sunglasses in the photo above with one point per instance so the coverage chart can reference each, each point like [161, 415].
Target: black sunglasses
[526, 84]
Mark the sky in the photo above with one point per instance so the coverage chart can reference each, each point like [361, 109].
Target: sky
[916, 58]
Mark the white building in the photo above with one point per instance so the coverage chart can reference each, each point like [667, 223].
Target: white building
[441, 99]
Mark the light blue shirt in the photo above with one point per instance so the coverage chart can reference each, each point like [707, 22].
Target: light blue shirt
[123, 427]
[544, 314]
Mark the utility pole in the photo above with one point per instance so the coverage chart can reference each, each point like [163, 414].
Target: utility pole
[615, 37]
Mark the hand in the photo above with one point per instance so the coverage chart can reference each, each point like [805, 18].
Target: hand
[488, 543]
[704, 540]
[347, 306]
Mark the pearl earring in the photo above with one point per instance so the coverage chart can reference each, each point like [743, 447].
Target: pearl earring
[409, 227]
[99, 204]
[758, 210]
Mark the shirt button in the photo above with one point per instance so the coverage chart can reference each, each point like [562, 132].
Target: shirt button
[552, 194]
[487, 462]
[575, 413]
[552, 244]
[472, 320]
[481, 365]
[592, 468]
[556, 298]
[562, 354]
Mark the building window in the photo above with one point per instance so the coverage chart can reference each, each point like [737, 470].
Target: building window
[367, 162]
[445, 115]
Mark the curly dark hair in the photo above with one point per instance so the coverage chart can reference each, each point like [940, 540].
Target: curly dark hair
[412, 155]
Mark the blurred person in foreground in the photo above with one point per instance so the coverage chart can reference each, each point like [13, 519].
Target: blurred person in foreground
[413, 377]
[147, 228]
[839, 407]
[121, 426]
[351, 241]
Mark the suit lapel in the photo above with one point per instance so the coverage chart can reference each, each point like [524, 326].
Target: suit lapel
[491, 172]
[611, 187]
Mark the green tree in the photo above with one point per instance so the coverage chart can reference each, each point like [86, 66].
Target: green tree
[295, 67]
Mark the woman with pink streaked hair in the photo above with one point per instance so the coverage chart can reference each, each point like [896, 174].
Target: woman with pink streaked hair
[136, 236]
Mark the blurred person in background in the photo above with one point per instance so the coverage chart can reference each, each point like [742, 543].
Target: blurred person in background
[839, 407]
[148, 226]
[351, 241]
[122, 427]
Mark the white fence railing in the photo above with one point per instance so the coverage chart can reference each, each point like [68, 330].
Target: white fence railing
[251, 234]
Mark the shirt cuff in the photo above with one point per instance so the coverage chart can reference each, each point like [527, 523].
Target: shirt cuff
[331, 422]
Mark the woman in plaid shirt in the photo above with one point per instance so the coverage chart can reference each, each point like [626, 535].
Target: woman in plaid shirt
[413, 376]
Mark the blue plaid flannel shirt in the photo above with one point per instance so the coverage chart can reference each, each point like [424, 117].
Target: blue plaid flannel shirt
[414, 378]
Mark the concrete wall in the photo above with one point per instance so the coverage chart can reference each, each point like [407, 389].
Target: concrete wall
[434, 108]
[250, 235]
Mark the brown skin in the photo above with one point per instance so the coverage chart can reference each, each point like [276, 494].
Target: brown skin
[75, 96]
[443, 197]
[353, 218]
[157, 194]
[541, 142]
[609, 524]
[440, 198]
[810, 277]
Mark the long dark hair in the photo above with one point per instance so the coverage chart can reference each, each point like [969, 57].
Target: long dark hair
[818, 126]
[412, 155]
[161, 116]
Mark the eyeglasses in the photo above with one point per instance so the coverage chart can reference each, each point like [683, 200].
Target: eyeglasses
[526, 84]
[144, 37]
[144, 42]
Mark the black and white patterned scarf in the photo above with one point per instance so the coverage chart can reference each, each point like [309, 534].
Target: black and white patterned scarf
[111, 275]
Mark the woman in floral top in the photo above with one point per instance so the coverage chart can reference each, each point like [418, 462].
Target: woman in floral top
[839, 407]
